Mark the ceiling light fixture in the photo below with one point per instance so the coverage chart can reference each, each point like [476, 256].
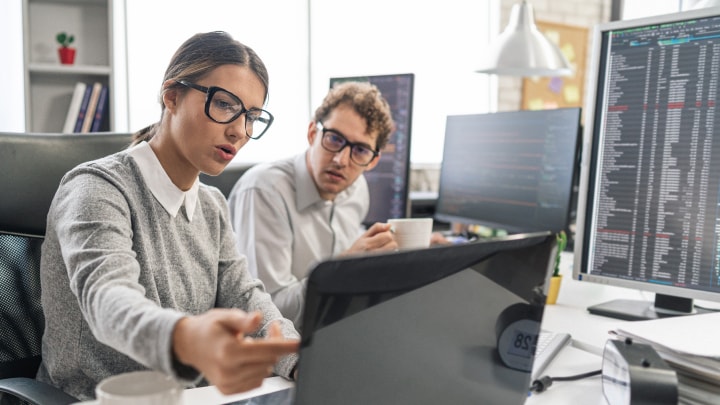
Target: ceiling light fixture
[522, 50]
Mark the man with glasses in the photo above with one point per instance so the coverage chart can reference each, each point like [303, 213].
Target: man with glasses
[291, 213]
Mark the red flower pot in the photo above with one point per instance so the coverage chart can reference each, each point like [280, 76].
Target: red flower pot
[67, 55]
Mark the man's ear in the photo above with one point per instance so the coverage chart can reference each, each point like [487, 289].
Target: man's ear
[374, 162]
[312, 132]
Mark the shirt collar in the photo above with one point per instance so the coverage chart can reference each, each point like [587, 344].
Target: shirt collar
[167, 193]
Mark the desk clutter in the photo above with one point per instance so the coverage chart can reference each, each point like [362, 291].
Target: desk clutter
[689, 345]
[633, 373]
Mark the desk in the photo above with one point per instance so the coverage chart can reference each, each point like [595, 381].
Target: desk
[589, 332]
[210, 395]
[569, 362]
[572, 361]
[569, 314]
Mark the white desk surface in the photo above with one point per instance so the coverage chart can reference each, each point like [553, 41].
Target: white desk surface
[569, 314]
[589, 334]
[210, 395]
[572, 361]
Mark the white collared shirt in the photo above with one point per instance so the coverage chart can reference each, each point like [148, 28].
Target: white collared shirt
[284, 226]
[164, 190]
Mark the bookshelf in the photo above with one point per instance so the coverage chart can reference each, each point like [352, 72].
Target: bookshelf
[49, 85]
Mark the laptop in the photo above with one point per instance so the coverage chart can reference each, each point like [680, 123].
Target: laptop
[448, 324]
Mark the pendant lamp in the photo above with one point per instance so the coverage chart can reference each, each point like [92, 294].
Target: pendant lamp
[522, 50]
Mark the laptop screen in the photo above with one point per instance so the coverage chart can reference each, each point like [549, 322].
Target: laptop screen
[450, 324]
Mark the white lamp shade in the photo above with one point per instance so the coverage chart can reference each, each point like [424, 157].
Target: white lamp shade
[522, 50]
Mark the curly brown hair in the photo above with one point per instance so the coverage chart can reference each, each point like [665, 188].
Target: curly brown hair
[367, 101]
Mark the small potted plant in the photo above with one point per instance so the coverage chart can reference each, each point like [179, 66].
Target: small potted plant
[556, 278]
[67, 53]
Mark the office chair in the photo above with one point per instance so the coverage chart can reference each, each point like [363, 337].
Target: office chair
[31, 166]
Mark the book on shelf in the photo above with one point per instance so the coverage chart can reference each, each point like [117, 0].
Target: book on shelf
[92, 106]
[75, 101]
[80, 119]
[100, 111]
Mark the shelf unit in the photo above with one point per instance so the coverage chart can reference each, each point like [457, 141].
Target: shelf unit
[48, 84]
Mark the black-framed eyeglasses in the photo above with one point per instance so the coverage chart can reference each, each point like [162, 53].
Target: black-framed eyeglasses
[224, 107]
[333, 141]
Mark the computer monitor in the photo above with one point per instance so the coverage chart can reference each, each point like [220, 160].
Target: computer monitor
[649, 201]
[451, 324]
[509, 170]
[389, 180]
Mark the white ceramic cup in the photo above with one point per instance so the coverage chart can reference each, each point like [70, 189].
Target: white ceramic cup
[139, 388]
[412, 233]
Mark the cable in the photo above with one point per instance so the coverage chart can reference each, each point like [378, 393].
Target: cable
[707, 308]
[543, 383]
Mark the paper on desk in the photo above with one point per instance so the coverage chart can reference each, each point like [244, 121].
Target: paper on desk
[695, 335]
[689, 345]
[686, 343]
[691, 366]
[694, 392]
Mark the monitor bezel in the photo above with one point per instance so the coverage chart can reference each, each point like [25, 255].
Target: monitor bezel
[593, 93]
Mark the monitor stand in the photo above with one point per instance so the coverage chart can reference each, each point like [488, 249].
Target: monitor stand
[638, 310]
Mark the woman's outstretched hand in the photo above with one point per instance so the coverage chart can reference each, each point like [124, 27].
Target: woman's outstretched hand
[217, 345]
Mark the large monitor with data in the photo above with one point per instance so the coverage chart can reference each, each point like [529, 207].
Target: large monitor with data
[649, 200]
[509, 170]
[389, 181]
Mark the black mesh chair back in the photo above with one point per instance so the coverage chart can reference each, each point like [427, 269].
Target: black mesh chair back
[22, 318]
[31, 167]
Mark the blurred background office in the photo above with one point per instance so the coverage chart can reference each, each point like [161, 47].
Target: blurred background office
[305, 43]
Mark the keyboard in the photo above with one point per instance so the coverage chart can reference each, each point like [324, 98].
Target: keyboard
[549, 345]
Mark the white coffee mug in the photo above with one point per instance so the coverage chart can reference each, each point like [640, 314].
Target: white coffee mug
[139, 388]
[412, 233]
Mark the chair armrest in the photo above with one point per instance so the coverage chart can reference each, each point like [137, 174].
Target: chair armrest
[35, 392]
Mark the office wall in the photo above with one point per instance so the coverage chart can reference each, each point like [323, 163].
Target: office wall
[587, 13]
[312, 41]
[584, 13]
[441, 45]
[12, 102]
[155, 29]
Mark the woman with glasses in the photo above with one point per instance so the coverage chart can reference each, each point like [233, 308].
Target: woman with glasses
[139, 264]
[291, 213]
